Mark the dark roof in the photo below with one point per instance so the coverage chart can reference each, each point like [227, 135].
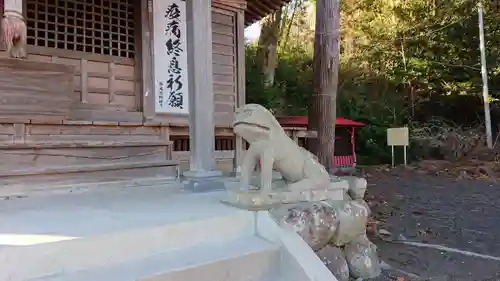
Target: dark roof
[301, 121]
[257, 9]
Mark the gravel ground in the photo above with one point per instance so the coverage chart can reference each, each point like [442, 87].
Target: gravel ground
[459, 214]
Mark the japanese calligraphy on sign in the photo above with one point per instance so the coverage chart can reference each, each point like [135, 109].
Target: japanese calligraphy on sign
[170, 57]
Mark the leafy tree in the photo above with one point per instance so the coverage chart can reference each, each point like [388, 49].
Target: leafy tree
[401, 61]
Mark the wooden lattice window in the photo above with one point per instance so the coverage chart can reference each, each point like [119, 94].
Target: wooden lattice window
[104, 27]
[224, 143]
[181, 143]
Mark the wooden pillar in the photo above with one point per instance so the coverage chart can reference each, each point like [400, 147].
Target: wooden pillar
[146, 59]
[295, 138]
[201, 95]
[240, 101]
[14, 28]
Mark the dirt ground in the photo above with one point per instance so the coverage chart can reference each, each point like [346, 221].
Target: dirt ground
[454, 212]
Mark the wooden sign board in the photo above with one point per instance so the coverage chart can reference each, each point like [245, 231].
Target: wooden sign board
[398, 136]
[170, 57]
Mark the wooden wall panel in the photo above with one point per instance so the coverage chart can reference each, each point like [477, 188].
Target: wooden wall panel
[96, 85]
[109, 83]
[40, 148]
[35, 90]
[91, 133]
[224, 65]
[46, 157]
[7, 133]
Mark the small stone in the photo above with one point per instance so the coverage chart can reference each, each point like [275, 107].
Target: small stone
[362, 258]
[384, 232]
[353, 217]
[334, 260]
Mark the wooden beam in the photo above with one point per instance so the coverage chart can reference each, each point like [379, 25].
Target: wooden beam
[262, 10]
[147, 83]
[271, 4]
[237, 4]
[253, 13]
[257, 9]
[201, 95]
[250, 15]
[241, 70]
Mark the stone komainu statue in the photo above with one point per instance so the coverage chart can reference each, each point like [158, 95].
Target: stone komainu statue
[14, 34]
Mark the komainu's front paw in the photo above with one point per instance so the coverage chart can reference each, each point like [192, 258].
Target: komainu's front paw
[22, 53]
[15, 53]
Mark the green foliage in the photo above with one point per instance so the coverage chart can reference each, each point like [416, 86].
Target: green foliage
[291, 93]
[402, 62]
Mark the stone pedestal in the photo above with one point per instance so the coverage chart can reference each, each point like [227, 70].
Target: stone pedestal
[203, 181]
[255, 200]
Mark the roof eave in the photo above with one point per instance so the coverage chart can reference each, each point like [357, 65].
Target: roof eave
[257, 9]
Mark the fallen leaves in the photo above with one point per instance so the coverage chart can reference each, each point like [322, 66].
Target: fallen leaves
[467, 169]
[372, 227]
[384, 232]
[426, 232]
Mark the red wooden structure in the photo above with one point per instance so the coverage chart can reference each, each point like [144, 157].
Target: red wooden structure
[345, 155]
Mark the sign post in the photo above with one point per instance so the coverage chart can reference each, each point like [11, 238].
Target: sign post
[484, 75]
[398, 137]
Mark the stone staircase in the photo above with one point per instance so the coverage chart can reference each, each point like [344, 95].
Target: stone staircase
[154, 233]
[244, 258]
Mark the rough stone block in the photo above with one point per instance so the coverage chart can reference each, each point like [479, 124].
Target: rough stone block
[357, 187]
[315, 222]
[334, 260]
[362, 258]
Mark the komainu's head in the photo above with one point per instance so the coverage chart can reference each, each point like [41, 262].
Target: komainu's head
[254, 122]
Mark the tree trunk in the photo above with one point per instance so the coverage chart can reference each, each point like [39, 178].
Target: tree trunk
[268, 42]
[322, 113]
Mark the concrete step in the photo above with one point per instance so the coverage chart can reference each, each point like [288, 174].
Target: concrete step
[50, 236]
[247, 258]
[147, 233]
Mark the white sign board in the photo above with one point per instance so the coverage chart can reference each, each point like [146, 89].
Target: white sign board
[398, 136]
[170, 56]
